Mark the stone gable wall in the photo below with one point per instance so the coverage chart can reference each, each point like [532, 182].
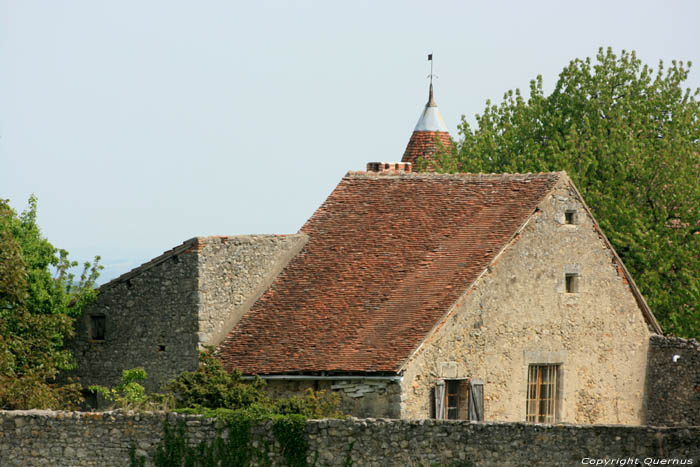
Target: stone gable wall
[75, 439]
[233, 273]
[518, 313]
[158, 315]
[673, 382]
[150, 322]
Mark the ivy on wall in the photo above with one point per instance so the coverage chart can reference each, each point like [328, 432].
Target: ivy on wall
[235, 449]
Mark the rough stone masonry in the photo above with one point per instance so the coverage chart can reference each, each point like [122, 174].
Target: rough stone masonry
[159, 315]
[36, 438]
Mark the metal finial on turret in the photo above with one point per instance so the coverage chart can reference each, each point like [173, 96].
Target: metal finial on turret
[431, 99]
[430, 119]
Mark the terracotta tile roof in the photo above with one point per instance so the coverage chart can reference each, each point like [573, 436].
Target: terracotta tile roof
[422, 144]
[387, 256]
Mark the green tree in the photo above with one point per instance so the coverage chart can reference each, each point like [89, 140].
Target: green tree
[628, 135]
[39, 299]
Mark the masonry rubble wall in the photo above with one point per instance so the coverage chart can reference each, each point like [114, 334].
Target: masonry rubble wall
[358, 397]
[150, 318]
[160, 314]
[519, 313]
[673, 381]
[233, 273]
[75, 439]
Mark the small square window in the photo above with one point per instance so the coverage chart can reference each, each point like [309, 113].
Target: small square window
[570, 217]
[97, 327]
[571, 283]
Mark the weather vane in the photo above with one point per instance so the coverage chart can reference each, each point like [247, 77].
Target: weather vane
[431, 75]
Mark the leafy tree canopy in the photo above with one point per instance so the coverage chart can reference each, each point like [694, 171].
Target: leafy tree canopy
[628, 135]
[39, 298]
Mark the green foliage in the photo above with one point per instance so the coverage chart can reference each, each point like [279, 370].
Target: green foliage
[347, 462]
[175, 450]
[290, 431]
[135, 461]
[313, 404]
[234, 449]
[130, 394]
[213, 392]
[627, 135]
[210, 386]
[39, 298]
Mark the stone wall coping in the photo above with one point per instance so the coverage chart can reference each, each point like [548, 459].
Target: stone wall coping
[325, 423]
[673, 341]
[185, 247]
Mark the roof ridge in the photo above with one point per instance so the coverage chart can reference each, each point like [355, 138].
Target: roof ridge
[184, 247]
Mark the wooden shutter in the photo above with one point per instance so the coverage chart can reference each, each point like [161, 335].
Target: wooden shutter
[440, 399]
[476, 400]
[463, 399]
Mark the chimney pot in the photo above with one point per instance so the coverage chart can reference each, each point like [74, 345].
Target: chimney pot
[389, 167]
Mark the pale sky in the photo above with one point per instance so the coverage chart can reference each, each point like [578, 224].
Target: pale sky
[140, 124]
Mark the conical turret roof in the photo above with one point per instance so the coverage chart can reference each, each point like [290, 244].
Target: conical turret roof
[430, 128]
[431, 119]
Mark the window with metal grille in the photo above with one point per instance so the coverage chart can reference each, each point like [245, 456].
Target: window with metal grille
[452, 399]
[542, 393]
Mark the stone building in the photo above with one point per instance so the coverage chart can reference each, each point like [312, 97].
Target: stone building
[413, 295]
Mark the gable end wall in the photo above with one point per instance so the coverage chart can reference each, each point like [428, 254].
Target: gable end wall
[158, 315]
[151, 322]
[233, 273]
[518, 313]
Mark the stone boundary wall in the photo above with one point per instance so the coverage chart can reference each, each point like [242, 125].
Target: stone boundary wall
[33, 438]
[673, 381]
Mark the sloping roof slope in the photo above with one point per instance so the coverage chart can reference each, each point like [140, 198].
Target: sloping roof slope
[387, 256]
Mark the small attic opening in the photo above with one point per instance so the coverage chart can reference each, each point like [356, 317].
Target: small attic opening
[570, 217]
[571, 281]
[97, 327]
